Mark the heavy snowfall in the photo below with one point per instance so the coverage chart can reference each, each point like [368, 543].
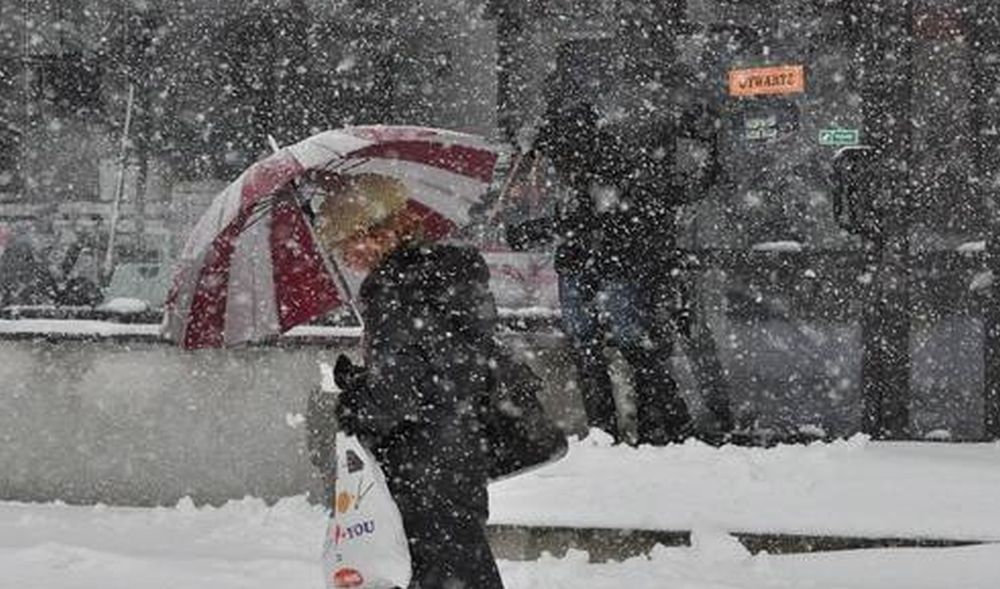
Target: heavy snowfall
[499, 293]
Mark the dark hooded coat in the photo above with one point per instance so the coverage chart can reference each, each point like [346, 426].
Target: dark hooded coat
[425, 405]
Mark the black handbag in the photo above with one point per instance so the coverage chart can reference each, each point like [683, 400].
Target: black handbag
[520, 434]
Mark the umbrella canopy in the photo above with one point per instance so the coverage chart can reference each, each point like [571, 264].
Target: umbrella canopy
[297, 231]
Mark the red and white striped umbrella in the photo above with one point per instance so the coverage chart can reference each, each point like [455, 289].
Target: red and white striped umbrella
[255, 266]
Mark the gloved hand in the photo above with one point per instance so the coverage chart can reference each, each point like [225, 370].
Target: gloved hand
[350, 379]
[346, 374]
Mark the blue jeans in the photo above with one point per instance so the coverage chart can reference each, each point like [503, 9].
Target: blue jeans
[622, 312]
[608, 305]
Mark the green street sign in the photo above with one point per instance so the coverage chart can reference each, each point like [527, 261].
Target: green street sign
[840, 137]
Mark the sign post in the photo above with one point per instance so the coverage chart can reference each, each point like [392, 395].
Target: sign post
[109, 255]
[887, 101]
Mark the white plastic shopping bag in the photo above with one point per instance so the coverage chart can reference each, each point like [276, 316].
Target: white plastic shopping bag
[366, 545]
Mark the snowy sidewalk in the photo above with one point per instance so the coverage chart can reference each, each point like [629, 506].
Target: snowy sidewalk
[247, 545]
[854, 488]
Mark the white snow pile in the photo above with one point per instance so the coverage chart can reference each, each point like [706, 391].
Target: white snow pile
[777, 246]
[855, 488]
[124, 305]
[95, 328]
[248, 545]
[972, 247]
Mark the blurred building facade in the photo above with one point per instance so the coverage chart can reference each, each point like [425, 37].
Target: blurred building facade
[643, 59]
[213, 80]
[210, 82]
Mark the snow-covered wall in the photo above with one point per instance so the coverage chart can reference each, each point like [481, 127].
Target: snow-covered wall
[143, 422]
[128, 419]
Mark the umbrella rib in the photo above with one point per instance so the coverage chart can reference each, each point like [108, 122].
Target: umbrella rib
[328, 149]
[260, 211]
[257, 215]
[342, 166]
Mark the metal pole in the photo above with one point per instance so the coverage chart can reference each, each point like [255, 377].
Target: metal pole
[26, 100]
[985, 61]
[887, 69]
[109, 256]
[510, 23]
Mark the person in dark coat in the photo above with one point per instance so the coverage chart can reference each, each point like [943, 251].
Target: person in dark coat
[615, 258]
[24, 278]
[567, 139]
[79, 273]
[418, 405]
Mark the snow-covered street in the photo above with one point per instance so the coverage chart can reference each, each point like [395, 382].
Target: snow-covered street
[894, 490]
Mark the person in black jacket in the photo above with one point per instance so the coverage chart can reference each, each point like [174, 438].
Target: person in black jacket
[567, 139]
[615, 260]
[24, 277]
[418, 405]
[441, 403]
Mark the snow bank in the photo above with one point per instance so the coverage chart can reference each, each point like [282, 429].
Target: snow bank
[777, 246]
[855, 488]
[94, 328]
[125, 305]
[248, 545]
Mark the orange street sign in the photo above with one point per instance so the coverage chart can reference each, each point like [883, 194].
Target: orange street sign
[782, 79]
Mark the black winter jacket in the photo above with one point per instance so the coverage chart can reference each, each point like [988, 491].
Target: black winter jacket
[417, 406]
[427, 375]
[442, 405]
[438, 382]
[620, 217]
